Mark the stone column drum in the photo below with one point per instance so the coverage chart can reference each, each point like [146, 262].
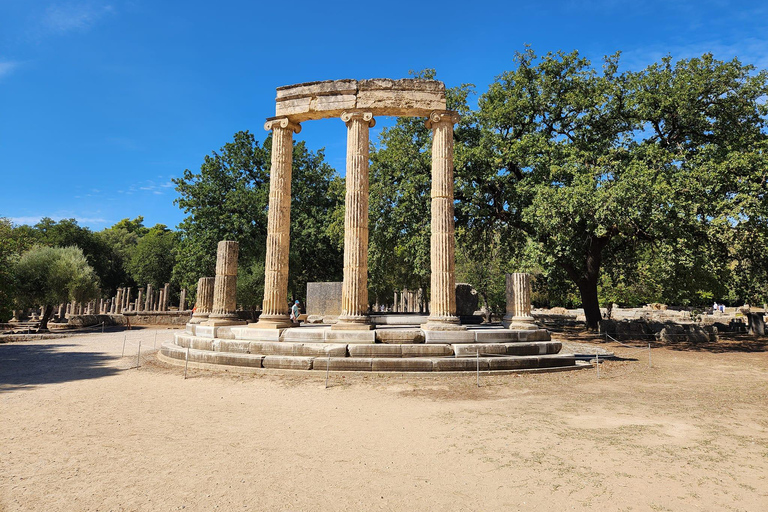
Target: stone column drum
[354, 290]
[443, 241]
[225, 286]
[518, 315]
[275, 313]
[204, 303]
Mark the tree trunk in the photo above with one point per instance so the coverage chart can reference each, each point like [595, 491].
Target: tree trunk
[589, 301]
[46, 316]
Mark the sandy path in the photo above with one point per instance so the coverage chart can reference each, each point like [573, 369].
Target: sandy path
[80, 430]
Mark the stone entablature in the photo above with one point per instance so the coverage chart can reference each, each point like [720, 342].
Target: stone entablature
[379, 96]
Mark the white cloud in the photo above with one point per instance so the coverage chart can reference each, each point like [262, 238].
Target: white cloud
[71, 17]
[34, 219]
[749, 51]
[7, 67]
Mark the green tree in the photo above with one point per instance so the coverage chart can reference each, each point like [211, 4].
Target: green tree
[120, 241]
[153, 258]
[228, 200]
[592, 165]
[52, 275]
[400, 200]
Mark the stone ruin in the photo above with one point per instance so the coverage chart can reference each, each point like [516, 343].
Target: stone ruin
[439, 342]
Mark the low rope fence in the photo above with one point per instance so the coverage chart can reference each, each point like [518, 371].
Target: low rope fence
[608, 337]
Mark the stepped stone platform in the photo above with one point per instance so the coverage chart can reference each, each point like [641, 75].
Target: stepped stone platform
[390, 349]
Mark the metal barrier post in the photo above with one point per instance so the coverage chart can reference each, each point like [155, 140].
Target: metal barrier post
[123, 353]
[327, 370]
[649, 355]
[138, 355]
[186, 364]
[597, 364]
[478, 367]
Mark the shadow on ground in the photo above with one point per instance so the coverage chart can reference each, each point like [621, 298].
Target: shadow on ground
[26, 366]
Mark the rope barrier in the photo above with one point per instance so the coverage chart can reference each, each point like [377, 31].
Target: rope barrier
[650, 365]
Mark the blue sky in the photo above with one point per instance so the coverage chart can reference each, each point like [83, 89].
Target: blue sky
[102, 103]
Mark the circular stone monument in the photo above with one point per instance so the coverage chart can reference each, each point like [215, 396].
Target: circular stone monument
[357, 342]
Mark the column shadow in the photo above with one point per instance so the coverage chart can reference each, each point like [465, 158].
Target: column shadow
[27, 366]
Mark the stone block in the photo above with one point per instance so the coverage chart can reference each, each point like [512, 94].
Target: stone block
[324, 299]
[471, 349]
[427, 350]
[376, 350]
[271, 348]
[496, 336]
[320, 349]
[351, 336]
[449, 337]
[287, 362]
[304, 334]
[399, 336]
[238, 346]
[201, 344]
[252, 334]
[385, 364]
[205, 331]
[357, 364]
[225, 358]
[451, 364]
[318, 88]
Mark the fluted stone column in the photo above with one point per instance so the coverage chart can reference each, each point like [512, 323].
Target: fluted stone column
[224, 311]
[354, 290]
[442, 315]
[148, 302]
[518, 315]
[275, 313]
[204, 303]
[167, 292]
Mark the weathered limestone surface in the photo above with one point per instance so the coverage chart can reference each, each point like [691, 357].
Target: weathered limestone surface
[225, 286]
[518, 315]
[275, 313]
[324, 299]
[354, 292]
[204, 303]
[443, 241]
[379, 96]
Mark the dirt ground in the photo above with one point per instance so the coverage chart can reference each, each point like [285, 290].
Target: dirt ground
[82, 430]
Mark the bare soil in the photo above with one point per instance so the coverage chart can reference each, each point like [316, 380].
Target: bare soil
[81, 429]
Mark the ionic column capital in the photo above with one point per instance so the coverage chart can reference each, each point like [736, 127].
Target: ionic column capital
[282, 122]
[442, 116]
[367, 117]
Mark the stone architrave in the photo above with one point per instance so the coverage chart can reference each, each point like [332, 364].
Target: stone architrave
[204, 303]
[443, 241]
[275, 312]
[224, 311]
[518, 315]
[354, 292]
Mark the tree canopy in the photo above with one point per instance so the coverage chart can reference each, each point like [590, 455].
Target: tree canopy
[52, 275]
